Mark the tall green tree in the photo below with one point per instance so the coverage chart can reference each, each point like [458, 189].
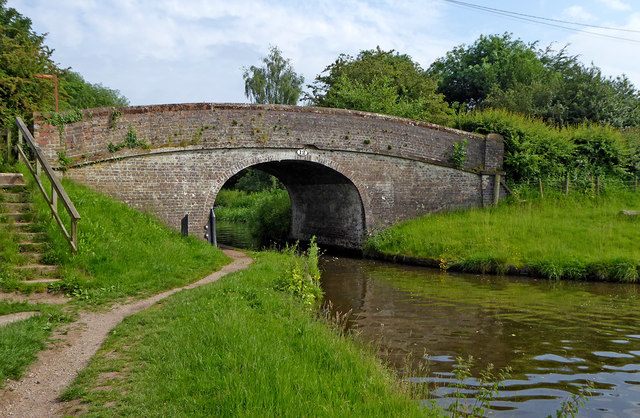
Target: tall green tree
[275, 82]
[469, 74]
[22, 56]
[500, 72]
[380, 81]
[80, 94]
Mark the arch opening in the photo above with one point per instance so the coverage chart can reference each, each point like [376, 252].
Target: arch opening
[324, 203]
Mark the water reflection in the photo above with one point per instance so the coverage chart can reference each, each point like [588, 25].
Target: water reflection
[554, 335]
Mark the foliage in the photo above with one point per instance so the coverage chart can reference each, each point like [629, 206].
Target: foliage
[535, 150]
[380, 81]
[459, 154]
[469, 74]
[302, 277]
[237, 347]
[80, 94]
[489, 384]
[500, 72]
[252, 181]
[270, 218]
[23, 55]
[130, 141]
[581, 237]
[276, 82]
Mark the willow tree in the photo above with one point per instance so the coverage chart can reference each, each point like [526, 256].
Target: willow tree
[275, 82]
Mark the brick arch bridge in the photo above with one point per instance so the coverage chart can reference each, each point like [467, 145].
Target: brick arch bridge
[348, 173]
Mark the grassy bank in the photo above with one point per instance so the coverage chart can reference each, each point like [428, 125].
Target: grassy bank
[122, 252]
[21, 341]
[237, 347]
[579, 237]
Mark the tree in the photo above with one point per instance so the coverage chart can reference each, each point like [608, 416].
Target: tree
[500, 72]
[380, 81]
[79, 94]
[469, 74]
[23, 54]
[276, 82]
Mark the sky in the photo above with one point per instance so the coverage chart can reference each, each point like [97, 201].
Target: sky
[190, 51]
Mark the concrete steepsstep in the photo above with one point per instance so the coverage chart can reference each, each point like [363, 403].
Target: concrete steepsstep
[11, 180]
[15, 205]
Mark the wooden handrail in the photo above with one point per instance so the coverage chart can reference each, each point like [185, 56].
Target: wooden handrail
[57, 191]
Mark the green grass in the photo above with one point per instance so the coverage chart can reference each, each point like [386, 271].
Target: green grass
[21, 341]
[236, 347]
[122, 252]
[576, 238]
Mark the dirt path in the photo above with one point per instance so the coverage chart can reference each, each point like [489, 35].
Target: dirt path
[36, 394]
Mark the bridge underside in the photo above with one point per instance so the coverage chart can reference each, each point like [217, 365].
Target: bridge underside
[324, 203]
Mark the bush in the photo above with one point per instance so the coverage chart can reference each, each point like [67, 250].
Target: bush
[271, 216]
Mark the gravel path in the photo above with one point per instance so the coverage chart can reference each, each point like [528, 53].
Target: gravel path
[36, 394]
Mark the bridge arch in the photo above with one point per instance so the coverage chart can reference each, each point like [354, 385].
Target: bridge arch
[325, 202]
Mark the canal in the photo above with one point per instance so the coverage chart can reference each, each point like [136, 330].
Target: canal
[555, 336]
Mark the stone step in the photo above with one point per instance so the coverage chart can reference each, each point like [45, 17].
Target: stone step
[13, 196]
[37, 269]
[16, 207]
[22, 227]
[43, 280]
[31, 246]
[30, 237]
[14, 216]
[11, 180]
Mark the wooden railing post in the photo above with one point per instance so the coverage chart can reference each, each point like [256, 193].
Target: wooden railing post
[9, 143]
[19, 142]
[74, 235]
[566, 186]
[540, 186]
[597, 185]
[54, 200]
[496, 189]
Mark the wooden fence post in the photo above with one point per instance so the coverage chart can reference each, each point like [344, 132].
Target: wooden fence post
[635, 184]
[496, 189]
[597, 185]
[540, 187]
[566, 186]
[9, 143]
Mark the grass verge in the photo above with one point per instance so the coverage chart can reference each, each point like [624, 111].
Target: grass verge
[21, 341]
[122, 252]
[577, 238]
[237, 347]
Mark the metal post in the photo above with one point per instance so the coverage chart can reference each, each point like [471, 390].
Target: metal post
[210, 229]
[496, 189]
[184, 226]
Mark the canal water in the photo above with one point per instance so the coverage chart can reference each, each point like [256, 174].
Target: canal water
[555, 336]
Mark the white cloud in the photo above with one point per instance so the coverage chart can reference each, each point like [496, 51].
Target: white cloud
[579, 14]
[616, 5]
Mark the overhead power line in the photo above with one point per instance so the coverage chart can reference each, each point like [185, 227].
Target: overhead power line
[544, 21]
